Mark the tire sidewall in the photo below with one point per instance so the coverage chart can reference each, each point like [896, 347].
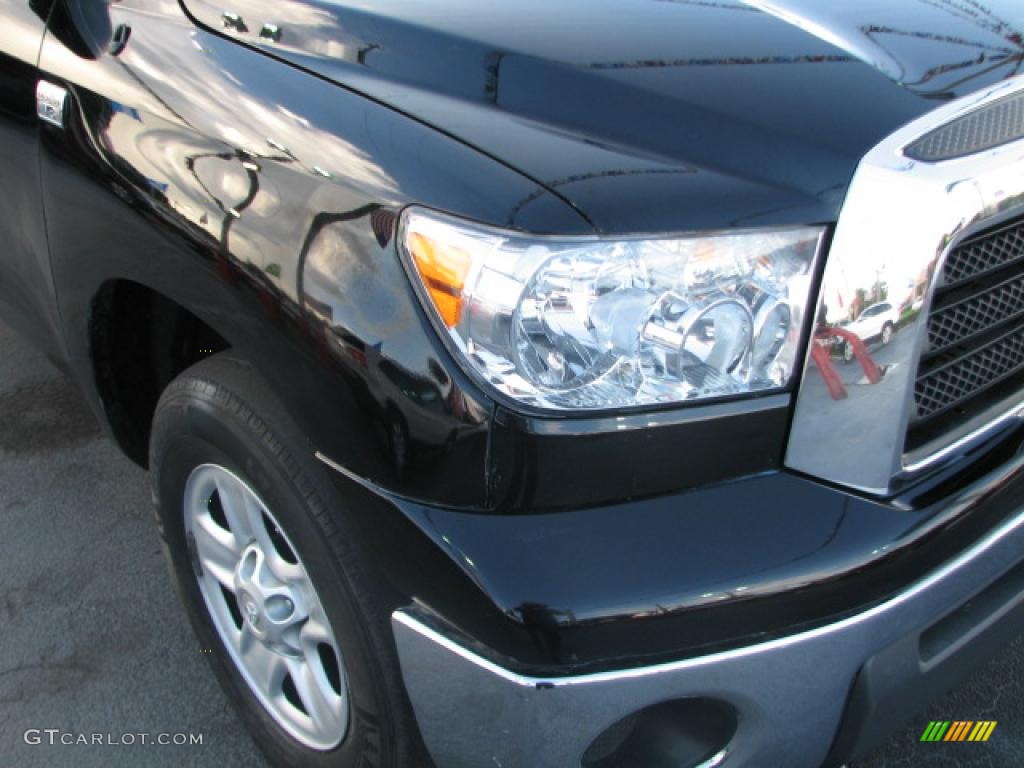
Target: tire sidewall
[200, 435]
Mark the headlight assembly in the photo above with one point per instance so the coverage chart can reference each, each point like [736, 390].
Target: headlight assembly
[585, 324]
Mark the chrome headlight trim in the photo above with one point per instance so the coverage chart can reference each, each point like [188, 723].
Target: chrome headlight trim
[900, 220]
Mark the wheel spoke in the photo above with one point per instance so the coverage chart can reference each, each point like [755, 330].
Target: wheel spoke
[235, 503]
[266, 668]
[291, 573]
[315, 631]
[217, 550]
[245, 515]
[322, 704]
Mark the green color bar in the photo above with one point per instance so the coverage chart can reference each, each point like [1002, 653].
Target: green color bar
[935, 731]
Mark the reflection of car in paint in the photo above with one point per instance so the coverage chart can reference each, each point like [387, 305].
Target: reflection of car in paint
[877, 322]
[424, 416]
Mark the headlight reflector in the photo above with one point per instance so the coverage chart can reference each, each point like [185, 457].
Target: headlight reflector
[580, 324]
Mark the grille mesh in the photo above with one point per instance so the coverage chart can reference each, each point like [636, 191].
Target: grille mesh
[957, 381]
[975, 331]
[985, 254]
[950, 325]
[994, 125]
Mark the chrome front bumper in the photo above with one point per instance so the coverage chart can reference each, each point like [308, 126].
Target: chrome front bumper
[790, 693]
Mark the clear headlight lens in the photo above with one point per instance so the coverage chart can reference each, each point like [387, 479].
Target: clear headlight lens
[575, 324]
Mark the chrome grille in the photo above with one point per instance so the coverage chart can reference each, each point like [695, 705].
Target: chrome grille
[975, 335]
[956, 322]
[983, 254]
[962, 377]
[952, 373]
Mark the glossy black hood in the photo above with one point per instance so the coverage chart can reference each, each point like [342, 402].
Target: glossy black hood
[654, 115]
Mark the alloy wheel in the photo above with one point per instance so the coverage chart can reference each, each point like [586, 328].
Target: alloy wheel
[265, 608]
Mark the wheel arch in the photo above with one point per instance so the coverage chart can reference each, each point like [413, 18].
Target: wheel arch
[139, 340]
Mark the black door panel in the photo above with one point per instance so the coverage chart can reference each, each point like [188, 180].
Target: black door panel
[26, 290]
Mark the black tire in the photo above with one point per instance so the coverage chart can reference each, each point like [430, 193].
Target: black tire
[219, 412]
[887, 331]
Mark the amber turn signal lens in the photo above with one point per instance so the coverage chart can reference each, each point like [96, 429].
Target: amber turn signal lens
[442, 269]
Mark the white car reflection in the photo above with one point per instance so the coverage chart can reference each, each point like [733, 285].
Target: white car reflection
[879, 321]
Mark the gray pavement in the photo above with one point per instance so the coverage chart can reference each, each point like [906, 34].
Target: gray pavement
[92, 637]
[93, 640]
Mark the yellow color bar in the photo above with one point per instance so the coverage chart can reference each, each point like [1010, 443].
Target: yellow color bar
[982, 730]
[988, 731]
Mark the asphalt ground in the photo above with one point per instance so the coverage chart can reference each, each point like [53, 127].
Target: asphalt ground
[93, 640]
[92, 637]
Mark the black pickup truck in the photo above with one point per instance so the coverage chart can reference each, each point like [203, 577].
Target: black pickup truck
[546, 384]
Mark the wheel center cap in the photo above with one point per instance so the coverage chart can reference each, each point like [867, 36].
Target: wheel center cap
[268, 606]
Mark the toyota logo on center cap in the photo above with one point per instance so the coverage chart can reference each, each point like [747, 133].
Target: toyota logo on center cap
[252, 613]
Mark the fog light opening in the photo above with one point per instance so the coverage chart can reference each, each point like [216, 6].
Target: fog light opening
[682, 733]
